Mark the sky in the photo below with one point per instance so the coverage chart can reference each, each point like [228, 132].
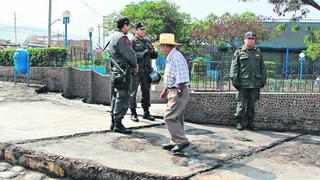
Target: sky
[32, 15]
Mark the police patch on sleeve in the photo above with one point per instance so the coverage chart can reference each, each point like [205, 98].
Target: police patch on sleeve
[126, 40]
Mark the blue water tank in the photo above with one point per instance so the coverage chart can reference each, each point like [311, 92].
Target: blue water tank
[21, 61]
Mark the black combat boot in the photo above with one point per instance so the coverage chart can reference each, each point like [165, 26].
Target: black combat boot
[250, 124]
[112, 123]
[147, 115]
[239, 125]
[134, 115]
[119, 127]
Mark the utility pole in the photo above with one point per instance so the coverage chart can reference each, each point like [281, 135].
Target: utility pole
[99, 33]
[15, 28]
[103, 32]
[58, 36]
[49, 24]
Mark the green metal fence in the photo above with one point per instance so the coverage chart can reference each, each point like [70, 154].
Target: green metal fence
[215, 77]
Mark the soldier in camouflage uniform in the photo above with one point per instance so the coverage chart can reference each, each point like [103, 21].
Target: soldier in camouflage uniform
[121, 51]
[248, 75]
[145, 52]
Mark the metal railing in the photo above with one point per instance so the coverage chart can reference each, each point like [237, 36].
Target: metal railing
[214, 76]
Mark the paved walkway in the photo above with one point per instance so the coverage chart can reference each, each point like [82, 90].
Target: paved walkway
[68, 138]
[27, 115]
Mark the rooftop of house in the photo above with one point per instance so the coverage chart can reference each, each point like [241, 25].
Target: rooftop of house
[287, 38]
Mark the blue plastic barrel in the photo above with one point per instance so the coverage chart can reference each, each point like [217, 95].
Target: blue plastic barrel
[21, 61]
[21, 64]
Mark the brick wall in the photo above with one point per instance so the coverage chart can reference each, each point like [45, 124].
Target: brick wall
[54, 77]
[275, 111]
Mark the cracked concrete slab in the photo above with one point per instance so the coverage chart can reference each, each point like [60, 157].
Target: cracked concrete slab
[141, 152]
[33, 120]
[27, 115]
[297, 159]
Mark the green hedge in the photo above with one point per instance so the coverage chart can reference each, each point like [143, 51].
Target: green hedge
[6, 57]
[41, 57]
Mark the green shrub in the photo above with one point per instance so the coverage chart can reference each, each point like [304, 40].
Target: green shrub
[295, 28]
[281, 27]
[6, 57]
[41, 57]
[98, 61]
[208, 56]
[199, 66]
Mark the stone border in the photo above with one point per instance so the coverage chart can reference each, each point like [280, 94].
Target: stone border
[59, 166]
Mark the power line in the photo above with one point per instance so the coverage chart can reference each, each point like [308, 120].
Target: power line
[6, 25]
[90, 8]
[21, 28]
[11, 30]
[11, 27]
[15, 27]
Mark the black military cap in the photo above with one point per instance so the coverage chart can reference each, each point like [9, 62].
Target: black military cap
[122, 21]
[250, 35]
[140, 25]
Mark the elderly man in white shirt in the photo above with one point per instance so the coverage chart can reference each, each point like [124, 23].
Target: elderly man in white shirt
[176, 80]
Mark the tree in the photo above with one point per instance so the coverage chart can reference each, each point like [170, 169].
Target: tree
[199, 29]
[109, 24]
[281, 7]
[159, 16]
[313, 42]
[229, 29]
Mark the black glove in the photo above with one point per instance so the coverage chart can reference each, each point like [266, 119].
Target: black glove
[149, 80]
[146, 51]
[153, 54]
[238, 87]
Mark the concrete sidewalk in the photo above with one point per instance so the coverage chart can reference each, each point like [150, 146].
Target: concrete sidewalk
[70, 139]
[27, 115]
